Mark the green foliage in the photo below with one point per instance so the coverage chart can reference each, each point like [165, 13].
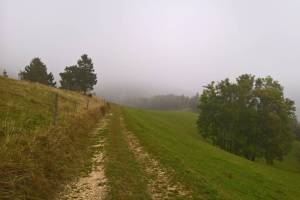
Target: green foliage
[208, 171]
[70, 77]
[80, 77]
[37, 72]
[296, 129]
[251, 117]
[51, 81]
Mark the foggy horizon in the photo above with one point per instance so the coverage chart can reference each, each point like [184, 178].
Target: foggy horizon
[160, 46]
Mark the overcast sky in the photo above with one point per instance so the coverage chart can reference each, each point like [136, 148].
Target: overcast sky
[179, 45]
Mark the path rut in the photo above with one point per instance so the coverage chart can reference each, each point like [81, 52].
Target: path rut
[93, 186]
[159, 180]
[160, 183]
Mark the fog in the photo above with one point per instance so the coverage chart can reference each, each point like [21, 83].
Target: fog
[147, 47]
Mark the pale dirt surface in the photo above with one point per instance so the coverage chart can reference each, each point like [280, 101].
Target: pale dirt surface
[93, 186]
[160, 184]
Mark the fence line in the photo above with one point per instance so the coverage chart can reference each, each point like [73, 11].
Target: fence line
[76, 105]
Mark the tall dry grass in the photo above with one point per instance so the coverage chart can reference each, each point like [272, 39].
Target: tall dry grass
[37, 157]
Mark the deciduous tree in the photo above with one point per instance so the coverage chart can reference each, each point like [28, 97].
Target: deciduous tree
[250, 117]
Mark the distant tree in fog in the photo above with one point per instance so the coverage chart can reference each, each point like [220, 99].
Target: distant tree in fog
[36, 71]
[193, 102]
[166, 102]
[5, 73]
[80, 77]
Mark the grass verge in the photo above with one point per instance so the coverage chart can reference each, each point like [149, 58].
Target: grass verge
[125, 178]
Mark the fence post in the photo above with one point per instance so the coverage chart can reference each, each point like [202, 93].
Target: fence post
[55, 109]
[87, 103]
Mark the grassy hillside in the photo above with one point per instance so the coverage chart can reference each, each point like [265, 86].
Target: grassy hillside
[208, 171]
[36, 156]
[29, 106]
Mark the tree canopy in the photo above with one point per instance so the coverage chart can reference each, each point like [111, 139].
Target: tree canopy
[249, 117]
[80, 77]
[37, 72]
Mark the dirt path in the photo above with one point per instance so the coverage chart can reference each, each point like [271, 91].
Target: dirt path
[132, 173]
[160, 184]
[93, 186]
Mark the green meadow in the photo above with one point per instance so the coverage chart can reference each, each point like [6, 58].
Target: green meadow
[210, 172]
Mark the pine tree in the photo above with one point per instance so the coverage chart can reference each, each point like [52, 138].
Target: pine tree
[80, 77]
[51, 81]
[37, 72]
[87, 76]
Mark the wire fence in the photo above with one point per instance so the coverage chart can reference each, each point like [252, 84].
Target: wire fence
[72, 106]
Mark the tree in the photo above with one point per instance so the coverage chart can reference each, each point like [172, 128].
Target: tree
[70, 78]
[51, 81]
[250, 117]
[193, 103]
[37, 72]
[80, 77]
[5, 73]
[164, 102]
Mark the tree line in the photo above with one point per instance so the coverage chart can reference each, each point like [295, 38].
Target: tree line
[5, 74]
[79, 77]
[249, 117]
[165, 102]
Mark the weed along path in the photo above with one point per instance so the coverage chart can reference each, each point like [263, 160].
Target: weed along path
[93, 186]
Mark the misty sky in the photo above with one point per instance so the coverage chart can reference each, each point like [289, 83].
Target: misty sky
[176, 46]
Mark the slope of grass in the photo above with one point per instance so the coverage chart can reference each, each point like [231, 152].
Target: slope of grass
[37, 157]
[25, 106]
[208, 171]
